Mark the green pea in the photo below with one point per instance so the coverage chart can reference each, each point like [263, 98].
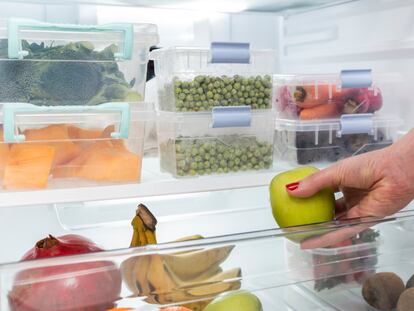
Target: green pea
[198, 159]
[192, 172]
[223, 163]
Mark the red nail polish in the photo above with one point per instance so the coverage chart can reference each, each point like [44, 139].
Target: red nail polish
[292, 186]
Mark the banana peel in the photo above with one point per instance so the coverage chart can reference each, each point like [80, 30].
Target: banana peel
[192, 278]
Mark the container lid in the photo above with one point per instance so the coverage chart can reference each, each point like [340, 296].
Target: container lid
[335, 78]
[31, 39]
[221, 62]
[362, 123]
[198, 51]
[16, 118]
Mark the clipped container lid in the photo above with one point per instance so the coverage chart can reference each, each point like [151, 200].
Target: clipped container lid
[22, 38]
[15, 118]
[347, 124]
[329, 96]
[220, 58]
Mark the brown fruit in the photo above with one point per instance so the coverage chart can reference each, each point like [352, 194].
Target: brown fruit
[410, 282]
[382, 290]
[406, 300]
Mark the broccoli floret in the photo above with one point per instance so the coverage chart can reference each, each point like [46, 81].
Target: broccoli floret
[91, 78]
[18, 81]
[71, 82]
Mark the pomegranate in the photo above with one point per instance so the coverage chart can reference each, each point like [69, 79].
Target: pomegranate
[84, 286]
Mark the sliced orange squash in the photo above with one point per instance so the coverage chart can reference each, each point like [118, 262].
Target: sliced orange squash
[56, 136]
[84, 138]
[71, 168]
[4, 153]
[118, 143]
[110, 164]
[28, 166]
[76, 132]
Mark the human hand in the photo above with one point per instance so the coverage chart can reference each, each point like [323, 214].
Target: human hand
[377, 183]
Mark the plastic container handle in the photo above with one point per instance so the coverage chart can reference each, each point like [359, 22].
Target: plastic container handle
[10, 111]
[15, 25]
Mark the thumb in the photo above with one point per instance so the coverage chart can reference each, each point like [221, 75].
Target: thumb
[312, 184]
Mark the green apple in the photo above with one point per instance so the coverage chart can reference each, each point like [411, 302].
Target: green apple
[235, 301]
[291, 211]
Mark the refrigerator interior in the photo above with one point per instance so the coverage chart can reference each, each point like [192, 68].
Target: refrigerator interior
[310, 37]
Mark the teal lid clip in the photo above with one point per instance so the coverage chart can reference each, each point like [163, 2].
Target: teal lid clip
[10, 110]
[15, 49]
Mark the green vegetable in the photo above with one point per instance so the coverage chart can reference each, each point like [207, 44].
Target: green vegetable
[205, 155]
[71, 74]
[219, 91]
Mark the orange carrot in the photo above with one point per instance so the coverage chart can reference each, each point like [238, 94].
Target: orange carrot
[324, 111]
[308, 96]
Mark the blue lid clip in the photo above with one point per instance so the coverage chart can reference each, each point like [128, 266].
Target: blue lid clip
[230, 53]
[361, 78]
[356, 124]
[232, 116]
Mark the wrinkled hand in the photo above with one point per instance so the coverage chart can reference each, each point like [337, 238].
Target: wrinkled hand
[378, 183]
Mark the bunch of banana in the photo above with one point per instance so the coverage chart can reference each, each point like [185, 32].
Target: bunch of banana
[191, 277]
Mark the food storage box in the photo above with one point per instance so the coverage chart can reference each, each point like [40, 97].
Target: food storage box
[61, 64]
[203, 143]
[69, 146]
[190, 273]
[358, 252]
[328, 96]
[198, 79]
[330, 140]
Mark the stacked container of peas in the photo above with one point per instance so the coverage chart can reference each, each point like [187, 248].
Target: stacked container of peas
[214, 113]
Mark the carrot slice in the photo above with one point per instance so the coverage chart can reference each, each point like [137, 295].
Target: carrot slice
[4, 153]
[28, 166]
[324, 111]
[56, 136]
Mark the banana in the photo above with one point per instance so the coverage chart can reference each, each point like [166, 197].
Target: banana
[189, 265]
[144, 224]
[193, 277]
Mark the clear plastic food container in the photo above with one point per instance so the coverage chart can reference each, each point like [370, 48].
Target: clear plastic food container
[70, 146]
[190, 273]
[328, 96]
[193, 144]
[198, 79]
[62, 64]
[358, 251]
[330, 140]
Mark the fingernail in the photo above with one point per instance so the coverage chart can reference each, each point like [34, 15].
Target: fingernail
[292, 186]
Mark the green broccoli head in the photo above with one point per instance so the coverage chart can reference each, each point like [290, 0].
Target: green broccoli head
[69, 82]
[72, 74]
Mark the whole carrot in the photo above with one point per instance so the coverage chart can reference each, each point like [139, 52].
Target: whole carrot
[323, 111]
